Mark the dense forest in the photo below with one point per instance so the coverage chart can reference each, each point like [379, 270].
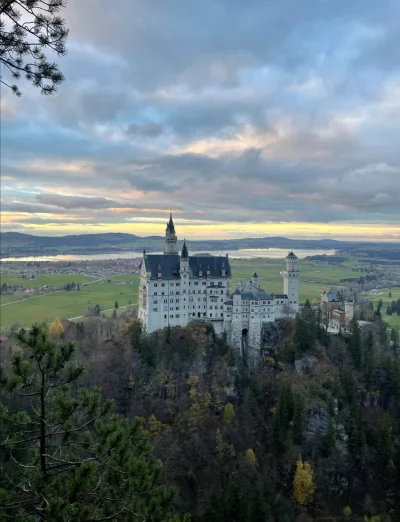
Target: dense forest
[312, 433]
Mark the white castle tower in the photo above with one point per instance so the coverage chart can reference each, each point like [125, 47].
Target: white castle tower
[170, 238]
[291, 280]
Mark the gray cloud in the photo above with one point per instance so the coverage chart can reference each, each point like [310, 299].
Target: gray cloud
[73, 202]
[230, 111]
[149, 130]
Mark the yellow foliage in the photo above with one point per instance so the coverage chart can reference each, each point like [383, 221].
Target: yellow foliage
[56, 328]
[377, 518]
[347, 512]
[270, 361]
[229, 413]
[273, 410]
[303, 483]
[251, 457]
[192, 380]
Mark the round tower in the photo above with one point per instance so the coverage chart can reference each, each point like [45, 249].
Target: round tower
[170, 238]
[291, 280]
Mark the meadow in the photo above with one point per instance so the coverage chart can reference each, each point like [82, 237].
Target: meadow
[73, 303]
[383, 293]
[314, 279]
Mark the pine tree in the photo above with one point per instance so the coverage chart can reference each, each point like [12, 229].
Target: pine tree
[32, 27]
[369, 360]
[355, 343]
[298, 420]
[67, 457]
[116, 305]
[329, 438]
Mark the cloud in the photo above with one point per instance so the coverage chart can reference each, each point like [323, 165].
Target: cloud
[73, 202]
[229, 112]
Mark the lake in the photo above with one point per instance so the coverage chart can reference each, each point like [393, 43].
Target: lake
[249, 253]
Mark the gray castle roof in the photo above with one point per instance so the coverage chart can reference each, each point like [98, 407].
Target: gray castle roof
[249, 291]
[169, 264]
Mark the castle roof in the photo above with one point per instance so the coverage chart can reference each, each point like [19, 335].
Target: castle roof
[255, 276]
[185, 253]
[333, 298]
[291, 255]
[249, 291]
[170, 225]
[169, 264]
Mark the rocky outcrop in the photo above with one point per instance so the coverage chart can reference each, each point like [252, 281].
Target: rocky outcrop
[305, 364]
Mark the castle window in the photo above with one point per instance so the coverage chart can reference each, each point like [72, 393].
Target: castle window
[162, 293]
[155, 309]
[294, 302]
[177, 308]
[204, 283]
[177, 300]
[222, 292]
[162, 284]
[196, 283]
[165, 316]
[210, 315]
[252, 316]
[172, 284]
[222, 315]
[155, 284]
[165, 300]
[155, 301]
[178, 284]
[155, 293]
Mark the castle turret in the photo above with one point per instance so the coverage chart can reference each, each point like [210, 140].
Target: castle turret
[170, 238]
[255, 281]
[291, 280]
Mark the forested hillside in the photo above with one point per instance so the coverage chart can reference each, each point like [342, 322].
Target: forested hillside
[311, 434]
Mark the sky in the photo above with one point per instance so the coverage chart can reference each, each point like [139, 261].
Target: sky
[244, 118]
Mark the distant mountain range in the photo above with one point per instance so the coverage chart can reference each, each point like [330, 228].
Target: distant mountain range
[15, 244]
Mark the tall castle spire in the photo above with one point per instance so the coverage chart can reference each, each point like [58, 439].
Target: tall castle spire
[170, 237]
[184, 253]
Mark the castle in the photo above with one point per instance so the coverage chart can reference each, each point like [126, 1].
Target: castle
[177, 288]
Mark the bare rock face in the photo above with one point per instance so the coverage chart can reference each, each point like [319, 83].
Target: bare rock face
[317, 423]
[305, 364]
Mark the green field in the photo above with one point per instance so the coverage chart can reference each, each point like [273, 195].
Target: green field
[44, 279]
[314, 279]
[71, 304]
[383, 293]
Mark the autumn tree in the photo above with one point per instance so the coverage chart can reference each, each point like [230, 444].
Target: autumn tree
[27, 29]
[303, 483]
[56, 328]
[66, 456]
[229, 413]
